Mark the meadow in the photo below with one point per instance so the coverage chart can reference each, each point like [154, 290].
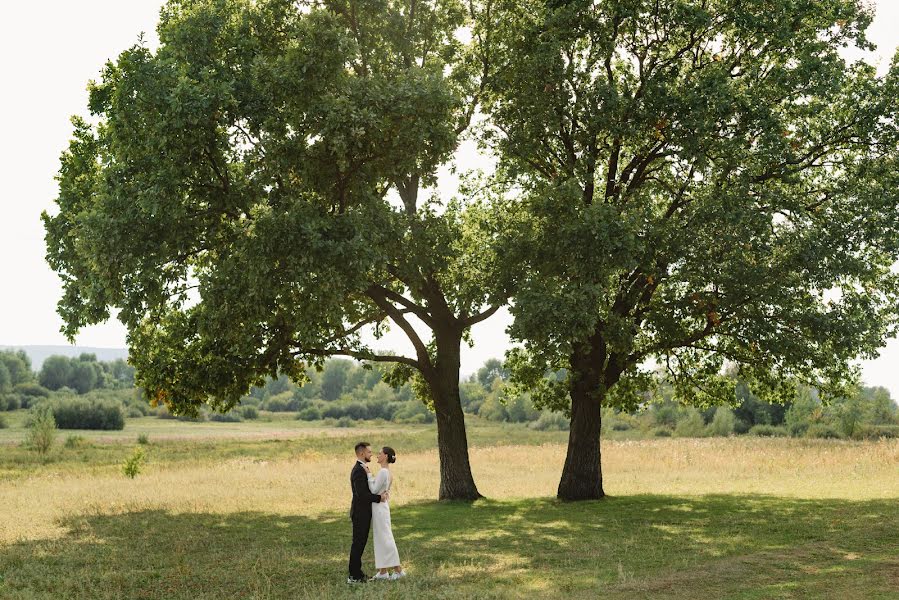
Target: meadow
[258, 510]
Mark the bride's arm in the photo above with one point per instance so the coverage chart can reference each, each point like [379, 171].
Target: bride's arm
[376, 483]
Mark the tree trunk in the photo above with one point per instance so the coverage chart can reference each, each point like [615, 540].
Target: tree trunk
[582, 473]
[456, 480]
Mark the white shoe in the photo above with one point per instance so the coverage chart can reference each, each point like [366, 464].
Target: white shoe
[394, 576]
[384, 576]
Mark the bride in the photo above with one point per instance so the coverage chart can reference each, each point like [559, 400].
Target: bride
[386, 555]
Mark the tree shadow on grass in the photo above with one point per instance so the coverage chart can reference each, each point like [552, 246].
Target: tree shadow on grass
[635, 546]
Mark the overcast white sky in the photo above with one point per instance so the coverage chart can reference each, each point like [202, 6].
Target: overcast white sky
[48, 52]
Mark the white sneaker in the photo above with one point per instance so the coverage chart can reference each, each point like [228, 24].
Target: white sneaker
[394, 576]
[384, 576]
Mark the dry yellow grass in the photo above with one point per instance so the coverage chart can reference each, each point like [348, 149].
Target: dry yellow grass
[312, 484]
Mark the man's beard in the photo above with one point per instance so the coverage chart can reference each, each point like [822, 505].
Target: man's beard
[367, 459]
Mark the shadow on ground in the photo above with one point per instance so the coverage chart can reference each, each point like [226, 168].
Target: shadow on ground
[637, 546]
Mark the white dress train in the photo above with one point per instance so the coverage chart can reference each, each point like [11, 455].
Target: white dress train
[386, 554]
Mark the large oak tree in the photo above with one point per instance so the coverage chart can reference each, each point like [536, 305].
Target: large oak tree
[233, 201]
[699, 183]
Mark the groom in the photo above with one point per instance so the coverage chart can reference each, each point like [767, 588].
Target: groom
[360, 511]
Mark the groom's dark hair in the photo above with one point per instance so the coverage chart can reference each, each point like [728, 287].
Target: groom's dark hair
[361, 445]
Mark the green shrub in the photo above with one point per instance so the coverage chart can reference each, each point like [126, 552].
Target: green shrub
[74, 441]
[250, 401]
[741, 426]
[11, 402]
[41, 430]
[31, 389]
[763, 430]
[413, 411]
[797, 428]
[3, 424]
[82, 413]
[416, 419]
[137, 409]
[283, 402]
[133, 463]
[310, 414]
[876, 432]
[133, 413]
[550, 421]
[143, 439]
[332, 411]
[822, 431]
[692, 425]
[345, 422]
[163, 413]
[228, 417]
[723, 422]
[661, 432]
[249, 412]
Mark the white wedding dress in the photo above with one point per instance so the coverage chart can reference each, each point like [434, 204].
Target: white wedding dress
[386, 554]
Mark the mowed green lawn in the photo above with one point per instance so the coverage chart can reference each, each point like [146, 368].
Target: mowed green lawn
[237, 533]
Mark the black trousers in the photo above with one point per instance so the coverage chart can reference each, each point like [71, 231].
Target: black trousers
[361, 528]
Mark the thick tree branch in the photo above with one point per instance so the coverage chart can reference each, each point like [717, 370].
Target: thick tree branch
[474, 319]
[359, 355]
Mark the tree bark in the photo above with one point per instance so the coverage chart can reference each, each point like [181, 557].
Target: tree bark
[456, 480]
[582, 473]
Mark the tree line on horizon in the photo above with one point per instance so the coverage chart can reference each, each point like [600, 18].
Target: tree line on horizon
[344, 393]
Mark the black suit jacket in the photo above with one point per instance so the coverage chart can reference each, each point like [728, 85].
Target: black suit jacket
[362, 496]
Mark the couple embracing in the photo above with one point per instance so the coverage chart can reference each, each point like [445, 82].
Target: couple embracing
[371, 510]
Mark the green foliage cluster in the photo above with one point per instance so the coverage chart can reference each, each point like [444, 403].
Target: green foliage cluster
[41, 430]
[85, 373]
[73, 412]
[866, 413]
[17, 386]
[133, 464]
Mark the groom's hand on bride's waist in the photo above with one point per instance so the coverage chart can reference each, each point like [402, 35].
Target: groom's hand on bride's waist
[385, 497]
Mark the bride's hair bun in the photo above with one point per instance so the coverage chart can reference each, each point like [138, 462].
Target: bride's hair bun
[391, 454]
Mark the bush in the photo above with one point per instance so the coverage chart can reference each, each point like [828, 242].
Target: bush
[763, 430]
[413, 411]
[661, 432]
[143, 439]
[345, 422]
[692, 425]
[797, 428]
[41, 430]
[32, 390]
[3, 424]
[249, 412]
[723, 422]
[12, 402]
[283, 402]
[741, 426]
[416, 419]
[876, 432]
[137, 409]
[133, 464]
[80, 413]
[162, 412]
[310, 414]
[228, 417]
[133, 412]
[550, 421]
[822, 431]
[74, 441]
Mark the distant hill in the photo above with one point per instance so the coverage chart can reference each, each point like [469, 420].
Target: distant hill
[38, 354]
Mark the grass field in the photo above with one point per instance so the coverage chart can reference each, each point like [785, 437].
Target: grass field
[258, 510]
